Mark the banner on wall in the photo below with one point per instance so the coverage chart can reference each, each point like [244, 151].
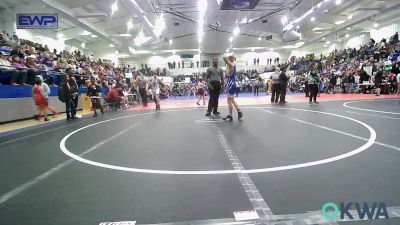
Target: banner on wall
[37, 21]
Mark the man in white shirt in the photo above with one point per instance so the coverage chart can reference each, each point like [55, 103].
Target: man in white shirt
[5, 65]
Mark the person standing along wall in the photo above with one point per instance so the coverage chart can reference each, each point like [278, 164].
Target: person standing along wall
[313, 80]
[74, 94]
[67, 97]
[47, 91]
[142, 90]
[39, 99]
[378, 81]
[93, 92]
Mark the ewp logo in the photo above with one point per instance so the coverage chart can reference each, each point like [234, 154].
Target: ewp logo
[37, 21]
[378, 210]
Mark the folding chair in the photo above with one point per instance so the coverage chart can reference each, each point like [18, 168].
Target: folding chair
[104, 103]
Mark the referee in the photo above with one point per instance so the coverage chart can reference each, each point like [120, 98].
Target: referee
[215, 82]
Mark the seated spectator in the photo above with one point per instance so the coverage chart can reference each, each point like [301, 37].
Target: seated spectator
[21, 71]
[6, 71]
[32, 69]
[113, 97]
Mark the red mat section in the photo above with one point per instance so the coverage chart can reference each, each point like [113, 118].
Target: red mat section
[172, 103]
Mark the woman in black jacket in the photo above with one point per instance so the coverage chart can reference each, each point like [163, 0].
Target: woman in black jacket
[378, 81]
[364, 77]
[93, 92]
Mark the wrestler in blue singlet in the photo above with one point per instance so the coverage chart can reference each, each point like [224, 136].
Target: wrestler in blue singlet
[230, 83]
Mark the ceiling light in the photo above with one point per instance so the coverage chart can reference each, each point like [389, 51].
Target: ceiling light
[323, 38]
[347, 35]
[114, 7]
[116, 52]
[259, 38]
[85, 32]
[230, 39]
[348, 28]
[338, 2]
[202, 6]
[340, 22]
[132, 50]
[141, 39]
[60, 35]
[160, 25]
[376, 24]
[244, 20]
[297, 34]
[122, 35]
[284, 20]
[350, 17]
[236, 31]
[170, 41]
[297, 27]
[93, 36]
[129, 24]
[328, 42]
[312, 19]
[299, 44]
[111, 45]
[200, 32]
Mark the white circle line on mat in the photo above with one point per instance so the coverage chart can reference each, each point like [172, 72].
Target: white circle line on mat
[358, 150]
[346, 104]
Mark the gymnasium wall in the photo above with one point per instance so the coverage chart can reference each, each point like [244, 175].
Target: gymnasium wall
[16, 102]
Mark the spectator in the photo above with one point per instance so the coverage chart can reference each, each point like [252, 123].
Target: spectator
[114, 98]
[93, 92]
[32, 69]
[46, 93]
[313, 80]
[39, 99]
[68, 94]
[5, 68]
[21, 71]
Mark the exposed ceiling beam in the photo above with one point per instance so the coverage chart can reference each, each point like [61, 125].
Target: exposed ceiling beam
[355, 21]
[142, 18]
